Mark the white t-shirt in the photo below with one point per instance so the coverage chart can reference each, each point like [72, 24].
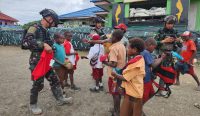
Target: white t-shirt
[71, 57]
[93, 51]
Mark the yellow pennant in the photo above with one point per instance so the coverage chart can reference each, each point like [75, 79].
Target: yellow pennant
[179, 6]
[118, 11]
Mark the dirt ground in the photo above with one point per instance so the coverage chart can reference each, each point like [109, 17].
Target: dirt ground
[15, 87]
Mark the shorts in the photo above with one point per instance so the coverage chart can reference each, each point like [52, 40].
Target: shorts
[148, 91]
[114, 86]
[184, 68]
[97, 73]
[69, 71]
[131, 106]
[60, 71]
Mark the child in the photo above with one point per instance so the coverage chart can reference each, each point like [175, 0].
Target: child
[97, 68]
[150, 63]
[116, 60]
[150, 45]
[132, 80]
[107, 42]
[59, 57]
[73, 57]
[188, 53]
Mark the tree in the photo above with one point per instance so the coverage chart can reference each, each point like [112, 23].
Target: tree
[26, 26]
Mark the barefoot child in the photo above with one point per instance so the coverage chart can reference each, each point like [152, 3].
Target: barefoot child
[59, 57]
[188, 53]
[97, 68]
[116, 60]
[73, 57]
[132, 80]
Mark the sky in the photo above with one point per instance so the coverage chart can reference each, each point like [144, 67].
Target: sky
[28, 10]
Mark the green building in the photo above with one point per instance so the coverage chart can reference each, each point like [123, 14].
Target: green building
[137, 13]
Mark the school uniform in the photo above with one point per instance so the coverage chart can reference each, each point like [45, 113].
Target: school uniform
[97, 69]
[70, 49]
[117, 53]
[134, 87]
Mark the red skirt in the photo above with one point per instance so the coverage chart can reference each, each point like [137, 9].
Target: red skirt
[97, 73]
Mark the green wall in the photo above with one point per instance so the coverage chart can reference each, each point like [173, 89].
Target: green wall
[109, 19]
[168, 7]
[197, 27]
[127, 9]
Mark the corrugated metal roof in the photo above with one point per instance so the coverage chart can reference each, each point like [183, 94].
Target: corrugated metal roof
[89, 12]
[7, 18]
[95, 0]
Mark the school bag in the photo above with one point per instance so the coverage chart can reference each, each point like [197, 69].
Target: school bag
[167, 73]
[94, 59]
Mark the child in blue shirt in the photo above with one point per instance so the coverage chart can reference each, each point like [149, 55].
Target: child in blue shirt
[59, 57]
[150, 63]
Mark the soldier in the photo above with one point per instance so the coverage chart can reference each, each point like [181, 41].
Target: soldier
[98, 29]
[167, 40]
[36, 40]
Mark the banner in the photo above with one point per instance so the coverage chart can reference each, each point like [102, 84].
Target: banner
[179, 8]
[118, 14]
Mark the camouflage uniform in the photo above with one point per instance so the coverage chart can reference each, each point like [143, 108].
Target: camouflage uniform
[98, 31]
[167, 47]
[34, 39]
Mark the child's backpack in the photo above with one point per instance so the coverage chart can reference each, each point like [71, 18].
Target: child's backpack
[168, 75]
[94, 59]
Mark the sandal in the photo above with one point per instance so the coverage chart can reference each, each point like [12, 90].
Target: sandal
[159, 95]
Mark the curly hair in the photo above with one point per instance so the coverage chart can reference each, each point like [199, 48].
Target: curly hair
[137, 43]
[57, 36]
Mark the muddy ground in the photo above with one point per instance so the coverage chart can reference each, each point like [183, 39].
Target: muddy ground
[15, 87]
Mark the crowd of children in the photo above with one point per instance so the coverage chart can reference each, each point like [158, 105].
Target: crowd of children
[129, 71]
[131, 79]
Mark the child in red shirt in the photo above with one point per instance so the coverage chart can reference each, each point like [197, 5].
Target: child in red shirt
[188, 52]
[73, 57]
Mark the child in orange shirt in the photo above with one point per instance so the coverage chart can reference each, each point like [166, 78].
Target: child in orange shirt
[188, 53]
[116, 60]
[132, 80]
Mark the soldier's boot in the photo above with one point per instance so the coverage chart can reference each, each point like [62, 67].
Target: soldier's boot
[33, 100]
[35, 109]
[60, 99]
